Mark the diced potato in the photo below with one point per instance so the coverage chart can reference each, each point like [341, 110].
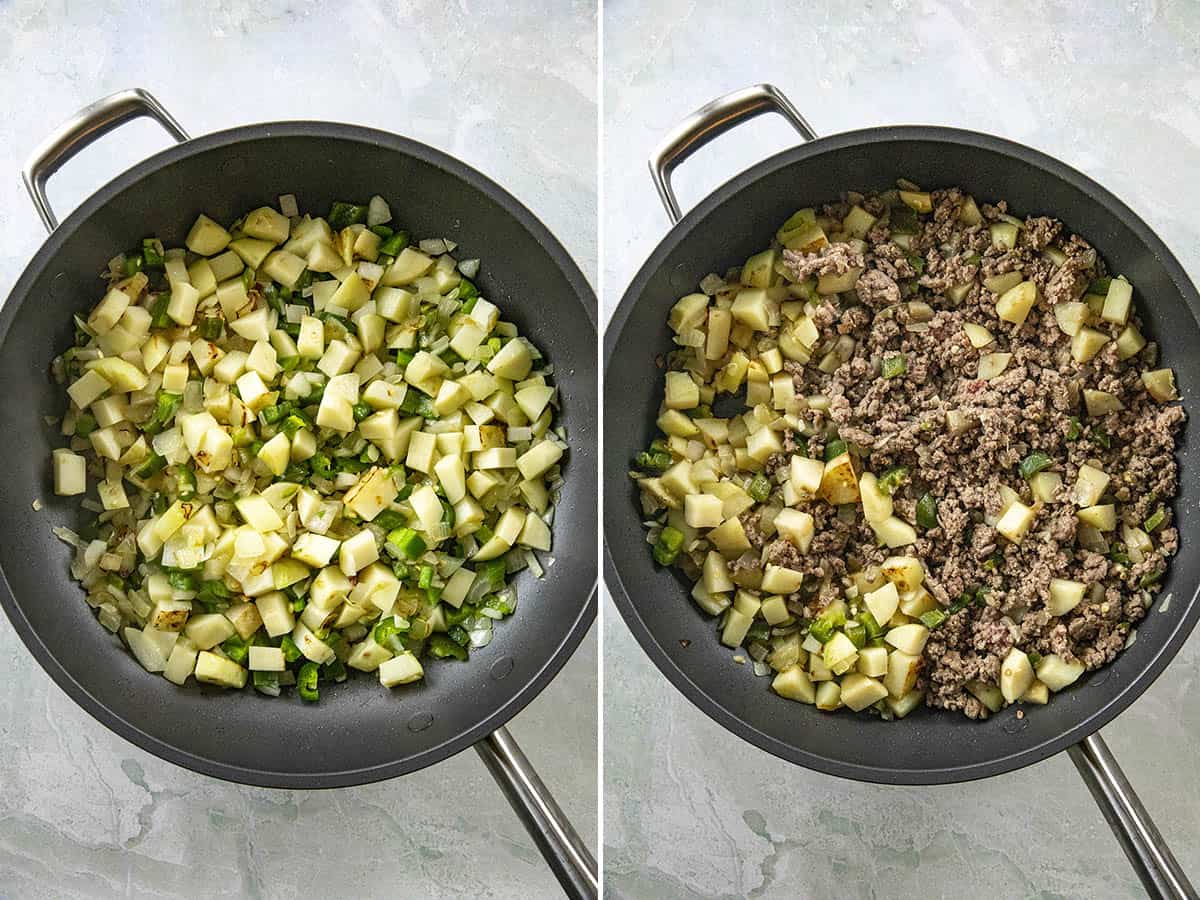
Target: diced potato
[859, 691]
[275, 610]
[998, 284]
[1071, 316]
[1090, 485]
[1065, 595]
[763, 444]
[839, 653]
[877, 505]
[774, 610]
[839, 483]
[1086, 343]
[909, 638]
[977, 335]
[1160, 384]
[795, 526]
[209, 629]
[688, 312]
[834, 283]
[794, 684]
[1004, 235]
[1016, 521]
[1015, 303]
[513, 362]
[219, 670]
[806, 475]
[781, 580]
[829, 696]
[917, 201]
[987, 694]
[402, 669]
[245, 619]
[70, 473]
[1045, 486]
[207, 237]
[730, 538]
[902, 706]
[1056, 673]
[538, 459]
[752, 308]
[702, 510]
[1101, 517]
[1101, 403]
[917, 601]
[895, 532]
[1016, 675]
[181, 663]
[1036, 693]
[873, 662]
[736, 626]
[902, 672]
[883, 602]
[1130, 342]
[992, 365]
[1118, 301]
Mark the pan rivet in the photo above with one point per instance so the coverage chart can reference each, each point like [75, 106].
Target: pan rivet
[420, 722]
[502, 667]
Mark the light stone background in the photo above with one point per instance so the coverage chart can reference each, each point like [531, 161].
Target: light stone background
[1113, 89]
[511, 91]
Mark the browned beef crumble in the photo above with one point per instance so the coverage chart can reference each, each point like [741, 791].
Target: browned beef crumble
[902, 422]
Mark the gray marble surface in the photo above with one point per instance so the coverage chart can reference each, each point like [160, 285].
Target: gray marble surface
[1113, 89]
[512, 92]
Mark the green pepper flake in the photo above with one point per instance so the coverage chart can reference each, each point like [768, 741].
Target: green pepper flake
[834, 449]
[392, 245]
[927, 515]
[759, 487]
[870, 625]
[361, 411]
[667, 547]
[857, 634]
[822, 629]
[342, 215]
[652, 460]
[894, 366]
[1155, 520]
[1100, 436]
[1074, 430]
[134, 263]
[932, 618]
[152, 253]
[306, 682]
[892, 479]
[85, 424]
[165, 405]
[442, 647]
[408, 542]
[1100, 285]
[1034, 463]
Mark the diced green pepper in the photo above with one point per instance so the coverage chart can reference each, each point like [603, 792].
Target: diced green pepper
[892, 478]
[267, 683]
[134, 263]
[1100, 285]
[872, 627]
[834, 449]
[342, 215]
[442, 647]
[165, 405]
[182, 581]
[236, 649]
[857, 634]
[668, 545]
[1155, 520]
[158, 311]
[291, 652]
[894, 366]
[417, 404]
[467, 290]
[653, 461]
[211, 327]
[361, 411]
[1034, 463]
[306, 682]
[408, 542]
[927, 516]
[152, 253]
[932, 618]
[85, 424]
[392, 245]
[1074, 430]
[185, 477]
[150, 466]
[759, 487]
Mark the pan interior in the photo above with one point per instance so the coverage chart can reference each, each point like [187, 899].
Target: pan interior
[740, 219]
[359, 731]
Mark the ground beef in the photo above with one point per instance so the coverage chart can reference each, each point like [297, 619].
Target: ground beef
[903, 421]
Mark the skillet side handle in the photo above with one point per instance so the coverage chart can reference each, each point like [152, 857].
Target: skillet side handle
[82, 129]
[1156, 866]
[556, 838]
[710, 121]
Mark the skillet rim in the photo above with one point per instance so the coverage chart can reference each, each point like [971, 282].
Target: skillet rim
[583, 295]
[614, 500]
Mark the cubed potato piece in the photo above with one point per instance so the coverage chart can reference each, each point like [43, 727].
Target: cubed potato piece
[763, 444]
[1102, 517]
[991, 365]
[1015, 303]
[267, 659]
[1056, 673]
[402, 669]
[781, 580]
[806, 475]
[538, 459]
[794, 684]
[313, 648]
[275, 610]
[513, 362]
[1101, 403]
[182, 306]
[169, 614]
[877, 505]
[283, 267]
[715, 574]
[774, 610]
[752, 309]
[987, 694]
[70, 473]
[1016, 522]
[977, 335]
[1130, 342]
[730, 537]
[902, 672]
[702, 510]
[857, 223]
[873, 662]
[1160, 384]
[1065, 595]
[1036, 693]
[682, 392]
[1090, 485]
[720, 322]
[181, 663]
[245, 619]
[1045, 486]
[902, 706]
[895, 533]
[839, 483]
[258, 513]
[206, 237]
[736, 626]
[315, 550]
[795, 526]
[1118, 301]
[909, 638]
[219, 670]
[1071, 316]
[1086, 343]
[829, 696]
[372, 494]
[859, 691]
[1016, 675]
[833, 283]
[883, 602]
[688, 312]
[251, 250]
[906, 572]
[267, 224]
[839, 653]
[209, 629]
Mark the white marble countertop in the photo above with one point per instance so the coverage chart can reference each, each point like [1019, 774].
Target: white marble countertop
[84, 813]
[692, 811]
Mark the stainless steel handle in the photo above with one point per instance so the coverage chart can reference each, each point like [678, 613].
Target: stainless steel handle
[83, 128]
[561, 846]
[1156, 866]
[710, 121]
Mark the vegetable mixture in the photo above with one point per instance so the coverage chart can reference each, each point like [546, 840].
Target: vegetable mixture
[946, 474]
[315, 446]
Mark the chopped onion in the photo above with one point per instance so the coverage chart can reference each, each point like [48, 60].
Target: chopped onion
[469, 267]
[288, 205]
[433, 246]
[378, 212]
[369, 271]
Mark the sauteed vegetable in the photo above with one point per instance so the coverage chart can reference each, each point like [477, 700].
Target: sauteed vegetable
[315, 446]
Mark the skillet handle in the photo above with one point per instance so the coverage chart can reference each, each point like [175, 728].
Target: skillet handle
[1156, 866]
[82, 129]
[560, 844]
[710, 121]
